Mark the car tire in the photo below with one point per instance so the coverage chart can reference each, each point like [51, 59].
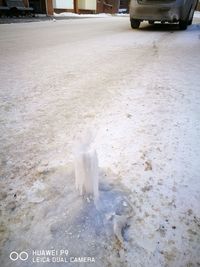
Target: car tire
[188, 21]
[183, 24]
[191, 18]
[135, 23]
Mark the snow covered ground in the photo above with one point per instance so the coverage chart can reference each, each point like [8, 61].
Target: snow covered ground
[138, 91]
[71, 14]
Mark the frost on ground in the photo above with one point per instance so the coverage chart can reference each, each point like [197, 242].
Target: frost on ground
[139, 90]
[57, 217]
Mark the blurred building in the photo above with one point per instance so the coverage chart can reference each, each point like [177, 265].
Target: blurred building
[77, 6]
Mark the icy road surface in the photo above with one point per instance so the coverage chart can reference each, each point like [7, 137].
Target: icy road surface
[139, 92]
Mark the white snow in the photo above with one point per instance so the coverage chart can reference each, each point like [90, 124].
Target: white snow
[70, 14]
[139, 91]
[197, 14]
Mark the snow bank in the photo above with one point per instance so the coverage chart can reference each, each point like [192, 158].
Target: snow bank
[197, 14]
[70, 14]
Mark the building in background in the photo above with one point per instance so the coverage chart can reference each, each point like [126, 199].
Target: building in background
[77, 6]
[112, 6]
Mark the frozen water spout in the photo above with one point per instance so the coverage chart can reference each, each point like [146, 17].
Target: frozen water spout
[86, 168]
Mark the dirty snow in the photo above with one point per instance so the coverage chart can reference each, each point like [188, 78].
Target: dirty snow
[139, 91]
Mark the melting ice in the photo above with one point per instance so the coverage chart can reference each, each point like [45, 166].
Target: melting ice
[86, 168]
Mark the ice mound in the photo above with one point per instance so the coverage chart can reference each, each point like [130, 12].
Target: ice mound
[86, 167]
[65, 220]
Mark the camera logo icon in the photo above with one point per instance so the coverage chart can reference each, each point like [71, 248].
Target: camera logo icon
[14, 256]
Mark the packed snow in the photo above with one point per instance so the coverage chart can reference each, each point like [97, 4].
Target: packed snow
[138, 92]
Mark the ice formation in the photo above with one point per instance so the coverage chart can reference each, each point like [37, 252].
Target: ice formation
[86, 168]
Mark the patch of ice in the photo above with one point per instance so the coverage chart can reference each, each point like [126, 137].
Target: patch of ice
[86, 168]
[34, 194]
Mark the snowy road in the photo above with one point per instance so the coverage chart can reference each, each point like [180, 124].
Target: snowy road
[139, 91]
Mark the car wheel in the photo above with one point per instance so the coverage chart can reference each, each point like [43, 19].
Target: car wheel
[135, 23]
[183, 24]
[191, 18]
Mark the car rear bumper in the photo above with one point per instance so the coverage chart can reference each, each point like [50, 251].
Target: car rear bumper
[157, 12]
